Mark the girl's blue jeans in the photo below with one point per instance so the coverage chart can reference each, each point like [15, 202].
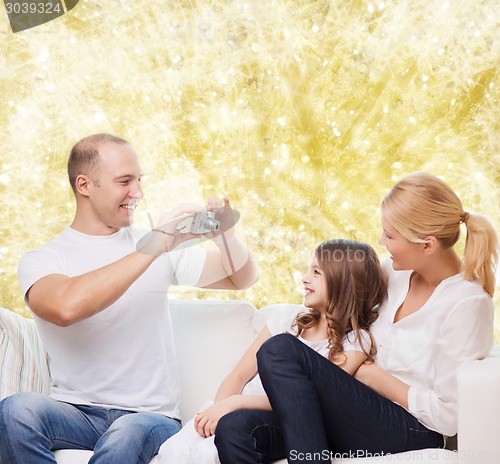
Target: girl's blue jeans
[319, 412]
[32, 426]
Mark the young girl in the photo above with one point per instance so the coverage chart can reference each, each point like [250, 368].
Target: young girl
[343, 289]
[438, 314]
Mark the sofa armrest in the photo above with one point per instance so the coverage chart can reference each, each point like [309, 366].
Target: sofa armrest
[23, 362]
[479, 410]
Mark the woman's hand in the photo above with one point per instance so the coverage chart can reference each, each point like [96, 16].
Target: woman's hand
[206, 421]
[364, 372]
[383, 383]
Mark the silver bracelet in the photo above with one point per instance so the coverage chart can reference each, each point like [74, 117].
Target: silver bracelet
[163, 232]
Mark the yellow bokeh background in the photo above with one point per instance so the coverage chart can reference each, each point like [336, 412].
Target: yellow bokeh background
[304, 112]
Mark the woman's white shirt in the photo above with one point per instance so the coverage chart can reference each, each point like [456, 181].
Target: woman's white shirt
[426, 348]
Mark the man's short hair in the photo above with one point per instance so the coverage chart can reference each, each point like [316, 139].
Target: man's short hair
[84, 156]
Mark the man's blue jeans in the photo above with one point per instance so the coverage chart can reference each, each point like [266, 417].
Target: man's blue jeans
[319, 412]
[32, 426]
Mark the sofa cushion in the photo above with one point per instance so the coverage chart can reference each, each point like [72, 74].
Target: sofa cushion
[210, 338]
[23, 363]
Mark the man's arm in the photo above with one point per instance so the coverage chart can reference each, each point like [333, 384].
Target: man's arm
[65, 300]
[232, 266]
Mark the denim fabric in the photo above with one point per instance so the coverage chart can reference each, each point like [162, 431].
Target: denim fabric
[249, 436]
[319, 412]
[32, 426]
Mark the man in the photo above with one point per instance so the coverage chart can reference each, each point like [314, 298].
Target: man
[98, 293]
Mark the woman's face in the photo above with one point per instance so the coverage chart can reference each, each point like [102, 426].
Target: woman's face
[314, 281]
[405, 255]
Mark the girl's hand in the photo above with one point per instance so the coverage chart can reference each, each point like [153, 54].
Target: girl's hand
[206, 421]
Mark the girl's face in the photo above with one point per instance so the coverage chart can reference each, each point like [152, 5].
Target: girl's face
[314, 281]
[404, 254]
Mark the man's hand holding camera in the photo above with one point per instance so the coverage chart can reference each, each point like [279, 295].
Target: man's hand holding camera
[224, 219]
[212, 221]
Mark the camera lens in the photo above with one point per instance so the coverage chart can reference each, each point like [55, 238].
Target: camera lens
[213, 224]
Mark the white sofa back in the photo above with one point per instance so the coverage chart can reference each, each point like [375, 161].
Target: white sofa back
[210, 338]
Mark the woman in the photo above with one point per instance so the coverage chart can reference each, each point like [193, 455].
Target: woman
[438, 314]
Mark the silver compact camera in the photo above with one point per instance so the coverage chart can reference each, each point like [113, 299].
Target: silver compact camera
[204, 222]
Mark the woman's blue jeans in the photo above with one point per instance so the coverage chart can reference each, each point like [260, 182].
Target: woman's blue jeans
[32, 426]
[319, 412]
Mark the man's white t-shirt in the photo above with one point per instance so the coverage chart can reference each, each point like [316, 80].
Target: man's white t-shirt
[123, 357]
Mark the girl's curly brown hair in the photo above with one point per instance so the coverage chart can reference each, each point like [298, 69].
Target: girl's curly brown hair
[356, 285]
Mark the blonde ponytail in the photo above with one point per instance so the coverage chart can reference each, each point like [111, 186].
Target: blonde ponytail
[481, 251]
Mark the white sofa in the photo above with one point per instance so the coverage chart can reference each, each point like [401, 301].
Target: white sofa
[211, 336]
